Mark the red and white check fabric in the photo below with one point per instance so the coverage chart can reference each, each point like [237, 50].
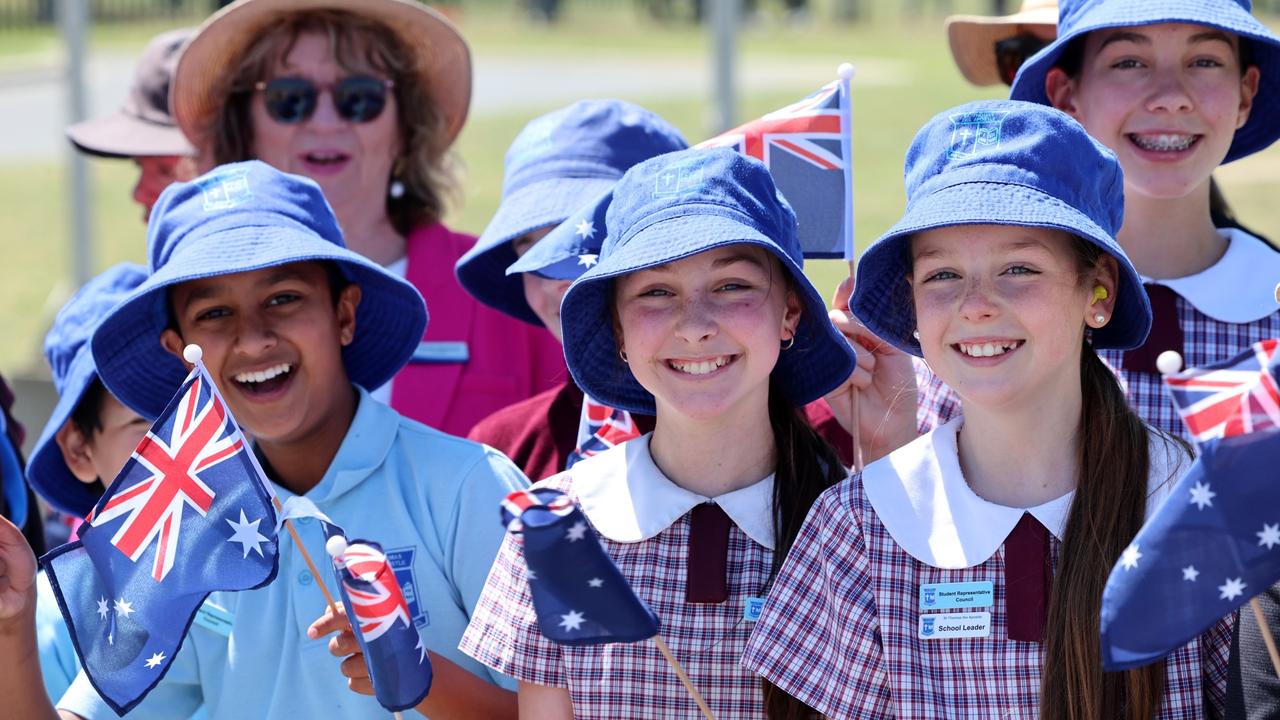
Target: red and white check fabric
[839, 632]
[631, 680]
[1205, 341]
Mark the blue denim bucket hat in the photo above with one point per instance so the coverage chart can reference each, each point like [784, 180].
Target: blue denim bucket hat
[66, 347]
[1079, 17]
[1001, 162]
[557, 164]
[675, 206]
[237, 218]
[572, 247]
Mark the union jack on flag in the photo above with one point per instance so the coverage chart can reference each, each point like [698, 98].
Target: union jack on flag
[1231, 398]
[517, 501]
[806, 146]
[601, 427]
[173, 453]
[393, 650]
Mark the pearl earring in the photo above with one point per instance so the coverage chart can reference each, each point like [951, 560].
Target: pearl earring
[396, 189]
[1100, 318]
[916, 334]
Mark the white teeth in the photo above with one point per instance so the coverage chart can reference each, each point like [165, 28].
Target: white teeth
[258, 376]
[1163, 142]
[701, 367]
[986, 349]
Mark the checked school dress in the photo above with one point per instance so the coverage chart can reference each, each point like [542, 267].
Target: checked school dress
[643, 520]
[843, 628]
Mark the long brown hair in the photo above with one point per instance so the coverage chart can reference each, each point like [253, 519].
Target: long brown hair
[425, 165]
[1113, 464]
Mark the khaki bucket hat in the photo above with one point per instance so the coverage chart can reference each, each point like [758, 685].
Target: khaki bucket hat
[973, 37]
[443, 62]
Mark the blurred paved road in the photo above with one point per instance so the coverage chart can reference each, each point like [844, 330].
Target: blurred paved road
[33, 107]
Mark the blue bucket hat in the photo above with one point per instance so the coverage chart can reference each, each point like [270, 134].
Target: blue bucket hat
[66, 347]
[1078, 17]
[1000, 162]
[675, 206]
[572, 247]
[558, 163]
[237, 218]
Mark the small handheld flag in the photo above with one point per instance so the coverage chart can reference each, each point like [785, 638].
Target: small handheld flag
[806, 146]
[189, 514]
[1215, 542]
[393, 650]
[579, 595]
[601, 427]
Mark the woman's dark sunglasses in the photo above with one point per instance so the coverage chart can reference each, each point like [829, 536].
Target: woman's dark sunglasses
[1012, 52]
[357, 99]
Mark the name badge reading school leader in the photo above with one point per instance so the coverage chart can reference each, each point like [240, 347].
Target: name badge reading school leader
[441, 351]
[944, 626]
[949, 596]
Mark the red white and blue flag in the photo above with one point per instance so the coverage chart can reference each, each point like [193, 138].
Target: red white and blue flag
[1215, 541]
[189, 514]
[393, 649]
[601, 427]
[806, 146]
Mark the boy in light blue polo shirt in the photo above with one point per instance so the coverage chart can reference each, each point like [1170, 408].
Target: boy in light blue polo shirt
[249, 263]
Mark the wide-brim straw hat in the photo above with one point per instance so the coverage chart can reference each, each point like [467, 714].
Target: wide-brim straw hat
[443, 58]
[973, 37]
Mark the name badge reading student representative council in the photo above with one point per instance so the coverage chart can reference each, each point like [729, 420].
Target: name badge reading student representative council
[949, 596]
[942, 626]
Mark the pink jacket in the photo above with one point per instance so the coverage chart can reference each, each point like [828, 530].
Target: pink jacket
[473, 359]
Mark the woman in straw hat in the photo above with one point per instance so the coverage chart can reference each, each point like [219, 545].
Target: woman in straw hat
[989, 50]
[366, 98]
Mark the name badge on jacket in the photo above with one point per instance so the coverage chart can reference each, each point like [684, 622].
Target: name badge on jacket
[441, 352]
[955, 625]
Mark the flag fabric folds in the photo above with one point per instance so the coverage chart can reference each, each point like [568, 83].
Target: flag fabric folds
[190, 513]
[806, 146]
[1215, 541]
[393, 649]
[579, 595]
[601, 427]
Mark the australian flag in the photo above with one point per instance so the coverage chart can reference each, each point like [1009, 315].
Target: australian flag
[600, 428]
[393, 649]
[806, 146]
[1215, 542]
[190, 513]
[579, 595]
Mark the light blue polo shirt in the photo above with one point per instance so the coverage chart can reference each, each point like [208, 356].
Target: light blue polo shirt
[429, 498]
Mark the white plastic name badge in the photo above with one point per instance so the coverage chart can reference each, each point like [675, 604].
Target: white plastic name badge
[441, 351]
[941, 626]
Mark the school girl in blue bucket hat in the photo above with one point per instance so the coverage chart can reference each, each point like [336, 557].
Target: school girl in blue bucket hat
[698, 311]
[964, 571]
[248, 262]
[558, 163]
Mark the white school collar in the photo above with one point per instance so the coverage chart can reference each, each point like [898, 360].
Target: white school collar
[628, 499]
[1235, 289]
[922, 499]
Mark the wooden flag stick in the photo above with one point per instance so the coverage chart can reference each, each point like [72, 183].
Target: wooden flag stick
[855, 430]
[306, 556]
[684, 679]
[1265, 631]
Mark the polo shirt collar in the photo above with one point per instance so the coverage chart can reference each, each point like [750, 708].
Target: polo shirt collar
[922, 499]
[628, 499]
[363, 450]
[1246, 257]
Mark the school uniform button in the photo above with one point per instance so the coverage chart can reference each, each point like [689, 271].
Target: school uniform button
[305, 578]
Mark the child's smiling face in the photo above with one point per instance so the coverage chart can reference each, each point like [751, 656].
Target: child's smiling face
[1001, 310]
[1166, 98]
[703, 333]
[272, 339]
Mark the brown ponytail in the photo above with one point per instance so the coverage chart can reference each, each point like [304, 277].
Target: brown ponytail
[807, 465]
[1110, 503]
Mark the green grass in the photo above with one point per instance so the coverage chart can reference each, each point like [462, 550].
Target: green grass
[35, 221]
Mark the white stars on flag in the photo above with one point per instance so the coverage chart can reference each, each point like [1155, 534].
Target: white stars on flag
[577, 532]
[532, 575]
[588, 259]
[104, 608]
[1202, 496]
[572, 621]
[155, 660]
[1190, 573]
[1130, 557]
[1270, 535]
[246, 533]
[1233, 589]
[586, 229]
[422, 650]
[595, 582]
[123, 609]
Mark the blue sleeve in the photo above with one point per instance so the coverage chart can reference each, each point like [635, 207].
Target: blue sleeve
[58, 662]
[177, 696]
[476, 533]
